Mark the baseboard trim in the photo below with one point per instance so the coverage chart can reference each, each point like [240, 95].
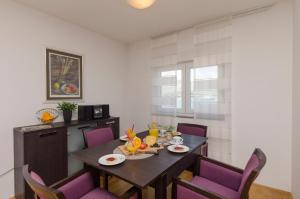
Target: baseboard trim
[284, 194]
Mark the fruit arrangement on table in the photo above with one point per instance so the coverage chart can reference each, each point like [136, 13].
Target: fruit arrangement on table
[136, 145]
[47, 115]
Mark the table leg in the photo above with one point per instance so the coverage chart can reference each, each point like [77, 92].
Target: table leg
[140, 194]
[161, 187]
[96, 175]
[105, 181]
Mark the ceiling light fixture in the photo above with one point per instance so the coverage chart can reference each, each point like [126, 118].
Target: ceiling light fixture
[140, 4]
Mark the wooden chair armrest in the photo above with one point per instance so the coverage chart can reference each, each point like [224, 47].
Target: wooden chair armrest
[131, 192]
[38, 188]
[194, 188]
[227, 166]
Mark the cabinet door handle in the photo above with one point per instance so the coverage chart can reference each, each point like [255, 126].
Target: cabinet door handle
[112, 122]
[48, 134]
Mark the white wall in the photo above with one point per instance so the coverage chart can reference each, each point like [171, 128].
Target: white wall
[261, 90]
[138, 81]
[296, 103]
[24, 35]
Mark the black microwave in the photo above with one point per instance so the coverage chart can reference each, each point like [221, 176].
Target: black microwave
[92, 112]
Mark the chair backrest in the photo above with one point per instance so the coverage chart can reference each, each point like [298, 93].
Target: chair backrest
[192, 129]
[38, 186]
[254, 166]
[97, 136]
[78, 186]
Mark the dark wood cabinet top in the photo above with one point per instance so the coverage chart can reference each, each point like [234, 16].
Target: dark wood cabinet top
[138, 172]
[62, 125]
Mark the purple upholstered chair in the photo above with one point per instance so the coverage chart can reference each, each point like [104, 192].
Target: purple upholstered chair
[82, 185]
[220, 181]
[194, 129]
[97, 136]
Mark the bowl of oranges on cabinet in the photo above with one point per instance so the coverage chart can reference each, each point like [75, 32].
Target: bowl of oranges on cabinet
[47, 115]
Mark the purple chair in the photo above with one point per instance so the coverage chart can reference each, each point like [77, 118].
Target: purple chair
[97, 136]
[195, 129]
[82, 185]
[220, 181]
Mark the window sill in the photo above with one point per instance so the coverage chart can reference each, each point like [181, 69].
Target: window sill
[180, 115]
[216, 117]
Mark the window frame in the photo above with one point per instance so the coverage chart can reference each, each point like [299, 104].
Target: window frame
[186, 111]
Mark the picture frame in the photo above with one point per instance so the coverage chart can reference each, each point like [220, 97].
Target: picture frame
[64, 75]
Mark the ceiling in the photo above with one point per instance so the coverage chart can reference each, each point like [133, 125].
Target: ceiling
[115, 19]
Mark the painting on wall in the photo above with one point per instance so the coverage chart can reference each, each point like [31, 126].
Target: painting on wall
[64, 75]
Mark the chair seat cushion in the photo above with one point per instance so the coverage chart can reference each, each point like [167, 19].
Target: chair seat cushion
[98, 194]
[208, 185]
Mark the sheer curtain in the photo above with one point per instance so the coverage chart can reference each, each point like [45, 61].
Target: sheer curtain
[166, 80]
[191, 82]
[210, 84]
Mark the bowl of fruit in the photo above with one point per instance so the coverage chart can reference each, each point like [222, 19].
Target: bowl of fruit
[47, 115]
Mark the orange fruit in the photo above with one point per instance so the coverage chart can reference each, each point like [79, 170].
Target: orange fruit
[46, 117]
[137, 142]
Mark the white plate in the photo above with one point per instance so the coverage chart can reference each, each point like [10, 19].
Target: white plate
[124, 138]
[183, 149]
[118, 159]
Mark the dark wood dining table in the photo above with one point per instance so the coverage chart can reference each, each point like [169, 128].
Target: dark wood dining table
[156, 171]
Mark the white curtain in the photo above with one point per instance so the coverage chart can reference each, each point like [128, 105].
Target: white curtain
[191, 79]
[211, 86]
[165, 79]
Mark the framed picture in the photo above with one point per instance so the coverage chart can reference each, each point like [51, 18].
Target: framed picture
[64, 75]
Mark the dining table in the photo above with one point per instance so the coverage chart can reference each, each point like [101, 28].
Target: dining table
[156, 171]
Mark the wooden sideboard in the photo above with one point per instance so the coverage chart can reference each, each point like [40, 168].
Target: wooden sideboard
[46, 151]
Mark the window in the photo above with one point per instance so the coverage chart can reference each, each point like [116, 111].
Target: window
[174, 88]
[191, 86]
[202, 90]
[171, 86]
